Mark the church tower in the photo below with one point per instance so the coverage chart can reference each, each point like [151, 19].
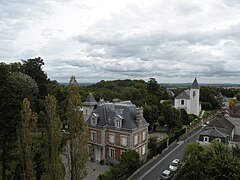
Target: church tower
[194, 95]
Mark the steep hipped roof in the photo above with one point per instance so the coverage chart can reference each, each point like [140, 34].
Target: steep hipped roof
[125, 110]
[214, 132]
[184, 95]
[90, 100]
[195, 84]
[222, 123]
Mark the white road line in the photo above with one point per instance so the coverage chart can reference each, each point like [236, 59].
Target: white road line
[155, 165]
[146, 173]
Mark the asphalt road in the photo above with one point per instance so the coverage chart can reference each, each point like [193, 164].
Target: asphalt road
[153, 170]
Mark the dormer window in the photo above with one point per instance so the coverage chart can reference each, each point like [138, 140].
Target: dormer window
[94, 119]
[118, 122]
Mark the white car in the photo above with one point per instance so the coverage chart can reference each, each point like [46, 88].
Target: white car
[174, 165]
[166, 175]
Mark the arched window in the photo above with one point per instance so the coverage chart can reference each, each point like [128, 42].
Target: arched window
[182, 102]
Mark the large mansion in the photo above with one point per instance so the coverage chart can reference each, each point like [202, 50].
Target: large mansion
[114, 128]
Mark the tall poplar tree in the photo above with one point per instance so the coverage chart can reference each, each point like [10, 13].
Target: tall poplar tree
[77, 132]
[25, 133]
[53, 140]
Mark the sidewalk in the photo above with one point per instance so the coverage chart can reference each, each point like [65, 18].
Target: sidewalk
[94, 169]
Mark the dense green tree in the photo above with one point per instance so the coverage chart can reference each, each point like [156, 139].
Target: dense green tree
[77, 132]
[153, 86]
[33, 68]
[15, 86]
[172, 117]
[129, 159]
[53, 140]
[213, 161]
[152, 143]
[25, 133]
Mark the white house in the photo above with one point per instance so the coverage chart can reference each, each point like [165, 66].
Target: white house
[189, 99]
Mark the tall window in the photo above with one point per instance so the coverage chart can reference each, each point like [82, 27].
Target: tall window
[144, 135]
[136, 139]
[112, 138]
[111, 153]
[194, 93]
[182, 102]
[143, 149]
[123, 141]
[94, 120]
[118, 123]
[93, 136]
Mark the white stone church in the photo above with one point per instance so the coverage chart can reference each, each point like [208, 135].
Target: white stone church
[189, 99]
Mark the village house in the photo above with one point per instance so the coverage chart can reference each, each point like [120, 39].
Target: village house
[189, 99]
[219, 128]
[114, 128]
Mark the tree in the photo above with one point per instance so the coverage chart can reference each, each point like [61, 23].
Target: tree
[53, 140]
[129, 159]
[77, 132]
[172, 117]
[14, 88]
[153, 86]
[25, 133]
[213, 161]
[152, 143]
[33, 68]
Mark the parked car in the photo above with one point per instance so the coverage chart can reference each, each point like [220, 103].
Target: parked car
[174, 165]
[166, 175]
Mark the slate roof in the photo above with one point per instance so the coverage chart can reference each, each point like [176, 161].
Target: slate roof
[195, 84]
[184, 95]
[214, 132]
[90, 100]
[222, 123]
[125, 110]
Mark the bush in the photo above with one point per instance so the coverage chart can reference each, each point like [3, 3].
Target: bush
[102, 162]
[206, 106]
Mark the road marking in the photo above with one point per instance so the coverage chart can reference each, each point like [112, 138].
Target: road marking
[147, 172]
[155, 165]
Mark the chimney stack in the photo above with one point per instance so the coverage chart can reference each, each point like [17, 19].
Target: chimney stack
[139, 116]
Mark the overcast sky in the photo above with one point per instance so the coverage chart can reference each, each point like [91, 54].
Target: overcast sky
[171, 40]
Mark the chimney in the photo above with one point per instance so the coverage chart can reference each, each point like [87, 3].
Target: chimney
[139, 116]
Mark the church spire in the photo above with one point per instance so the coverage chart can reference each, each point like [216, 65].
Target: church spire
[195, 84]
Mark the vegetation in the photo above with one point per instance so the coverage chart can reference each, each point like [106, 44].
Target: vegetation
[77, 132]
[25, 133]
[54, 168]
[26, 79]
[129, 160]
[214, 161]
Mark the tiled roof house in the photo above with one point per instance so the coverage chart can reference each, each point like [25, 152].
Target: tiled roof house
[114, 128]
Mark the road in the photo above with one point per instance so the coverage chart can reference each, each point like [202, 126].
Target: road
[153, 170]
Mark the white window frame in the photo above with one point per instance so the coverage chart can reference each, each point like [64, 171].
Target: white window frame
[94, 121]
[118, 123]
[111, 138]
[205, 139]
[111, 153]
[144, 133]
[218, 139]
[122, 142]
[93, 138]
[143, 150]
[135, 139]
[182, 102]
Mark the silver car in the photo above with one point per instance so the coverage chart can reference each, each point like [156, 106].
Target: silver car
[174, 165]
